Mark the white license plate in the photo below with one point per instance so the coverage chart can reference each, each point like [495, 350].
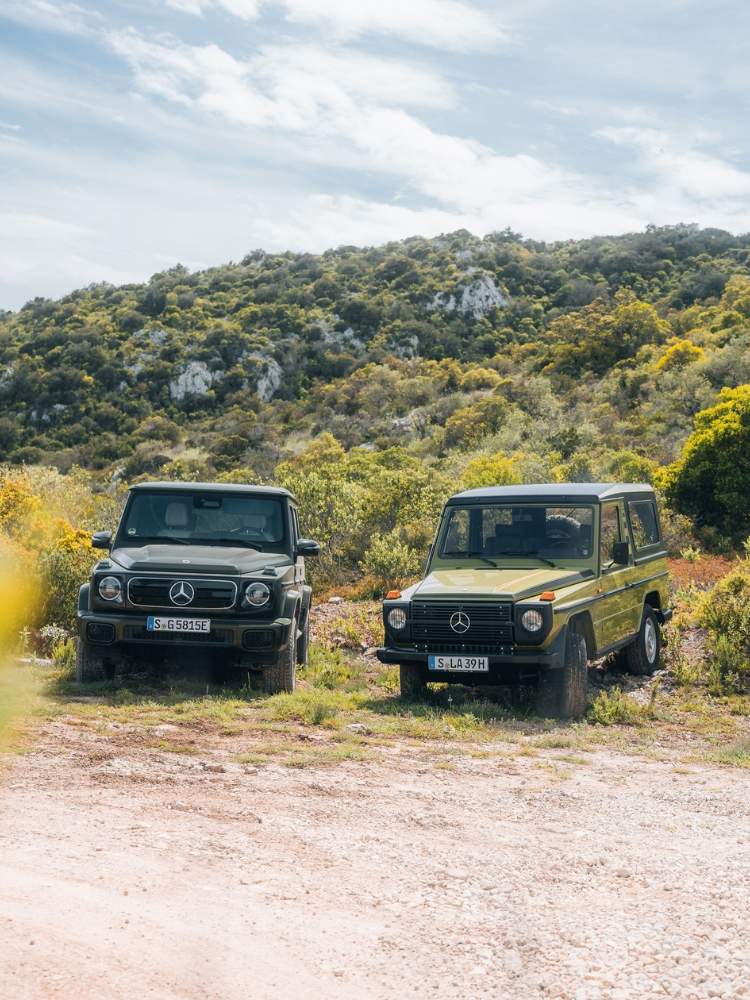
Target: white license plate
[161, 623]
[460, 664]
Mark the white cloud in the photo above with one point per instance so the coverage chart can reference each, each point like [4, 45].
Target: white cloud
[447, 24]
[248, 10]
[51, 15]
[452, 25]
[680, 167]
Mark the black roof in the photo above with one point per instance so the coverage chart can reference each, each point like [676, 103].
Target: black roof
[274, 491]
[557, 492]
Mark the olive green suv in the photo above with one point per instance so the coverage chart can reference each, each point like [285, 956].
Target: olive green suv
[200, 566]
[527, 584]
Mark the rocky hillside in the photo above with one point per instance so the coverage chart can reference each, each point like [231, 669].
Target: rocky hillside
[441, 345]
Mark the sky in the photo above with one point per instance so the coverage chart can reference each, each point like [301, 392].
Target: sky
[137, 134]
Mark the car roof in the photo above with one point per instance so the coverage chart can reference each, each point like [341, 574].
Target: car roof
[555, 492]
[167, 487]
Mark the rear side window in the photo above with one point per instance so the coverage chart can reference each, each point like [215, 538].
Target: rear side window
[644, 523]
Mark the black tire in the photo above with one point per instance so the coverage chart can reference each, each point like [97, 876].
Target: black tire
[643, 656]
[411, 681]
[563, 692]
[303, 644]
[91, 664]
[281, 676]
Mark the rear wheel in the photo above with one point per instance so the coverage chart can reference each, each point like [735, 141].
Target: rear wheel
[281, 675]
[643, 656]
[411, 681]
[562, 692]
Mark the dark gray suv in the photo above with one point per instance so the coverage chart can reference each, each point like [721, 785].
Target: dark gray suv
[200, 565]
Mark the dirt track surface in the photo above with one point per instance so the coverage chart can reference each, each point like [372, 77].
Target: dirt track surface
[128, 872]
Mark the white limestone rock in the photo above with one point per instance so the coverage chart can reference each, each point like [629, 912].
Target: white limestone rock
[266, 375]
[195, 379]
[482, 297]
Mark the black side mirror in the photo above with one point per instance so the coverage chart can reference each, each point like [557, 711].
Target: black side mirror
[621, 553]
[307, 547]
[101, 539]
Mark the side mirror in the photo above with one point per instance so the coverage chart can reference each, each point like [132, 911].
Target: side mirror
[307, 547]
[621, 553]
[101, 539]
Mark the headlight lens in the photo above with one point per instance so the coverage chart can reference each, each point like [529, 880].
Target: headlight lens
[110, 588]
[532, 620]
[397, 618]
[257, 595]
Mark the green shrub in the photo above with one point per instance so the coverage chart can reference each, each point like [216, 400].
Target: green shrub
[390, 560]
[725, 614]
[614, 707]
[711, 481]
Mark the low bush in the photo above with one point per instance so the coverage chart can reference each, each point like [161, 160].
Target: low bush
[611, 708]
[725, 614]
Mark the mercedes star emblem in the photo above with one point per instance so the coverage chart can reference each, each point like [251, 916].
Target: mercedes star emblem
[460, 622]
[181, 593]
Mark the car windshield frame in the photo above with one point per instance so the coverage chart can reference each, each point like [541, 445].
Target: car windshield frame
[510, 546]
[274, 536]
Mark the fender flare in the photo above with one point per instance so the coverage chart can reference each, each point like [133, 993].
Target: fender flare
[84, 598]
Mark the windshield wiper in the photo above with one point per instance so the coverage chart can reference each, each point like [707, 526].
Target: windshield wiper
[173, 538]
[532, 555]
[478, 555]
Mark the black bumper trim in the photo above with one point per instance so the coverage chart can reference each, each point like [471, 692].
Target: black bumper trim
[230, 632]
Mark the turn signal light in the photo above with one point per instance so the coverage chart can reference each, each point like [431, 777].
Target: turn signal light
[393, 595]
[548, 595]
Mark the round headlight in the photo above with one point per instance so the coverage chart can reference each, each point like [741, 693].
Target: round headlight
[532, 620]
[397, 618]
[257, 595]
[110, 588]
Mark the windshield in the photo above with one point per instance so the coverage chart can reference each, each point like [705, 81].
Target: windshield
[204, 519]
[497, 533]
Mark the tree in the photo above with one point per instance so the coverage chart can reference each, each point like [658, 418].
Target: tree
[711, 480]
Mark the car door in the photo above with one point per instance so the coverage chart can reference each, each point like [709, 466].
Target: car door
[614, 617]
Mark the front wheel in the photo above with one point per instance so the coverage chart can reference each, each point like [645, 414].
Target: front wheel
[91, 664]
[563, 692]
[411, 681]
[281, 675]
[643, 656]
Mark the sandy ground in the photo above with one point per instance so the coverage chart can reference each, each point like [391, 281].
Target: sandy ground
[130, 872]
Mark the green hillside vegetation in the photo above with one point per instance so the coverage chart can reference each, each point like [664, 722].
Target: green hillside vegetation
[376, 381]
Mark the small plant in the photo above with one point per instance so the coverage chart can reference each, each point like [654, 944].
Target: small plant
[611, 708]
[691, 554]
[728, 670]
[64, 656]
[50, 636]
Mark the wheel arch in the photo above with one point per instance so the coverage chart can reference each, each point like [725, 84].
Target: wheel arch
[653, 600]
[582, 623]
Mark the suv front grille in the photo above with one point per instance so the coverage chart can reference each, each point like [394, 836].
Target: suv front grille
[210, 595]
[490, 625]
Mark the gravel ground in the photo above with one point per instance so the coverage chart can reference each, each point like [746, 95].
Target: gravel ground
[126, 871]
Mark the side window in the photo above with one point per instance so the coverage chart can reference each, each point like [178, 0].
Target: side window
[644, 523]
[611, 532]
[295, 525]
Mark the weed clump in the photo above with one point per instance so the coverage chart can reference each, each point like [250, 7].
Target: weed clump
[611, 708]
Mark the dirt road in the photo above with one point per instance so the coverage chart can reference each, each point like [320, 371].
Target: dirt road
[127, 872]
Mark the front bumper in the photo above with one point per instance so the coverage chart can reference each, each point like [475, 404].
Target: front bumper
[259, 640]
[509, 665]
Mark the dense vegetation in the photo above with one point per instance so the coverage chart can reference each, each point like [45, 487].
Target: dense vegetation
[374, 382]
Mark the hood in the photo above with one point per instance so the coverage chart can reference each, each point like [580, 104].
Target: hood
[213, 560]
[510, 584]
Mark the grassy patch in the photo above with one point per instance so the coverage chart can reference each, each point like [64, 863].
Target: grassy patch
[734, 756]
[611, 708]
